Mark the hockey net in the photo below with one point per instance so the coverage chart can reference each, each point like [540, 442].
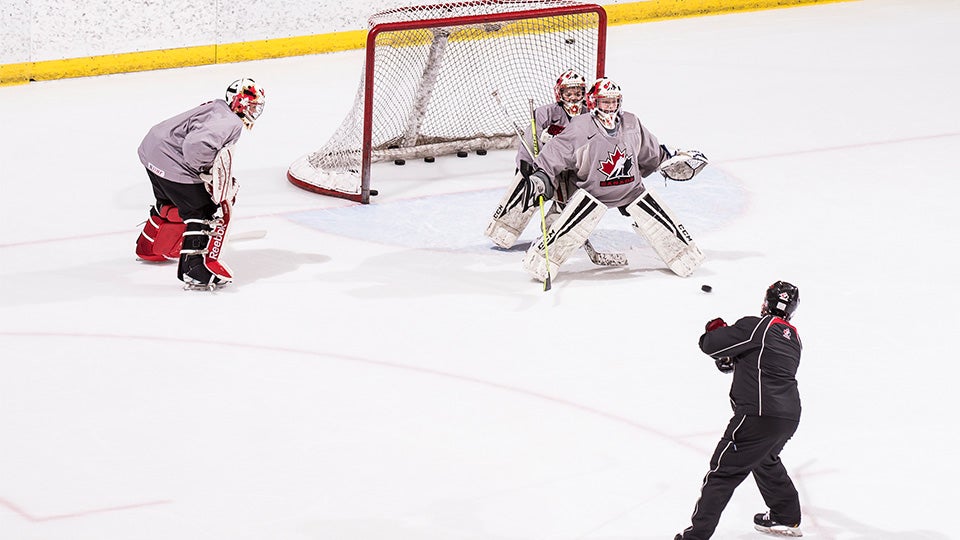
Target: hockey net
[428, 79]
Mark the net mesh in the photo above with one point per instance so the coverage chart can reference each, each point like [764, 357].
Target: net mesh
[434, 72]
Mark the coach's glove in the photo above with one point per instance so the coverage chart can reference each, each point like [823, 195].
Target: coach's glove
[715, 323]
[725, 364]
[538, 183]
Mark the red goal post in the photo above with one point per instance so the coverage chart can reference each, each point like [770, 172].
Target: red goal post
[428, 79]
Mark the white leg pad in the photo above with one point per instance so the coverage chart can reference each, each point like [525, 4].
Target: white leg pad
[654, 220]
[566, 234]
[509, 220]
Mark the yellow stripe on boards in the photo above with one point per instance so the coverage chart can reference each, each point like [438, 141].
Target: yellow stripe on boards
[658, 10]
[617, 14]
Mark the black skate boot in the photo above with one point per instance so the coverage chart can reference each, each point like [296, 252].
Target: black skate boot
[765, 524]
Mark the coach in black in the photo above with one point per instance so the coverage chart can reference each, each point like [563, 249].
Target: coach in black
[763, 353]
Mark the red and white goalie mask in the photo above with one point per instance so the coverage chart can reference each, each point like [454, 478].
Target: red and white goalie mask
[246, 99]
[569, 91]
[603, 101]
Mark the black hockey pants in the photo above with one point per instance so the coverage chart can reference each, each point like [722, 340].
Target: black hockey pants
[191, 200]
[750, 444]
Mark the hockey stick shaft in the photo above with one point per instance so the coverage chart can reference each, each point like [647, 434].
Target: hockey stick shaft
[543, 217]
[516, 127]
[546, 248]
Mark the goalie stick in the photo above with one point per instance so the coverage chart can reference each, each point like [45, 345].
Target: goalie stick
[604, 258]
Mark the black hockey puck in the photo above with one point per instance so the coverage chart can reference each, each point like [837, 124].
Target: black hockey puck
[374, 193]
[399, 162]
[481, 151]
[462, 153]
[429, 159]
[706, 288]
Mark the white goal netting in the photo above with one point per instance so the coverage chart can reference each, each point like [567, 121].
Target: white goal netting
[428, 79]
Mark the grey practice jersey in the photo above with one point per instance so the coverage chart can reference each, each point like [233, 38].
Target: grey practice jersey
[179, 148]
[551, 119]
[609, 167]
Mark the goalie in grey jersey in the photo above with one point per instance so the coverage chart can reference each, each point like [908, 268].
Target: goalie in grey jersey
[188, 159]
[514, 210]
[608, 152]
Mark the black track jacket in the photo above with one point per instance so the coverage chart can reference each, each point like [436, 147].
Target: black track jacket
[767, 351]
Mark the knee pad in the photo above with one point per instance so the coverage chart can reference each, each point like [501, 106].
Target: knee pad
[567, 232]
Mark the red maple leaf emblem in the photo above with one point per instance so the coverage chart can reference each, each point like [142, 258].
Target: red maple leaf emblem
[614, 163]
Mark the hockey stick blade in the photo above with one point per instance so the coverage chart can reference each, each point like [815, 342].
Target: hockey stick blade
[602, 258]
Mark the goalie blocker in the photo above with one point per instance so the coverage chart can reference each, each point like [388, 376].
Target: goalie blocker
[652, 219]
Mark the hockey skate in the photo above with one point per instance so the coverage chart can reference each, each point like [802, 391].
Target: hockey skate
[764, 524]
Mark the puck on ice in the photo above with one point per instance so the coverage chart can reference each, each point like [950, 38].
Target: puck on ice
[481, 151]
[399, 162]
[706, 288]
[462, 153]
[429, 159]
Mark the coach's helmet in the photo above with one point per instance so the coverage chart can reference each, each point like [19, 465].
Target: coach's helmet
[246, 98]
[603, 100]
[569, 91]
[782, 299]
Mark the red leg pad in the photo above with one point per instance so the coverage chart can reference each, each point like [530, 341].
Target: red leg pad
[162, 235]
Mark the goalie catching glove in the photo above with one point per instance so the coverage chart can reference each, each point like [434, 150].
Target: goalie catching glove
[538, 184]
[682, 165]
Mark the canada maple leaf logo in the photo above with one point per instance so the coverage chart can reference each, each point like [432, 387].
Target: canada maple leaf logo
[618, 165]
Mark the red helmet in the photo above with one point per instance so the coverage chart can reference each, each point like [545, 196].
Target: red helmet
[246, 98]
[600, 102]
[572, 102]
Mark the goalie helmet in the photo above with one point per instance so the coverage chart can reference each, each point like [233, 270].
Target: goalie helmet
[782, 299]
[569, 91]
[603, 100]
[246, 99]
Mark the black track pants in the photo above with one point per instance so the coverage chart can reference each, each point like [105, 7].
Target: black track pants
[751, 444]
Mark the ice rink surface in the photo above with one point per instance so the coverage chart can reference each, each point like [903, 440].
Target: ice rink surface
[381, 372]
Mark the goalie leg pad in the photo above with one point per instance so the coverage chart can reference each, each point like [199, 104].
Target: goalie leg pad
[510, 218]
[654, 220]
[162, 235]
[200, 265]
[568, 232]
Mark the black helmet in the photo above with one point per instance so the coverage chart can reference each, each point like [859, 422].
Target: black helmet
[781, 300]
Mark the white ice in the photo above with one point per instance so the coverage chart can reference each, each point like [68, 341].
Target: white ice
[381, 373]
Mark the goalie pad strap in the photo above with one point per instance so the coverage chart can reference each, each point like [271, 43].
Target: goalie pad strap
[206, 238]
[654, 220]
[567, 233]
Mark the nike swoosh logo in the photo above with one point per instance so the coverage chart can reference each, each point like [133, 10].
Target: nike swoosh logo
[590, 136]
